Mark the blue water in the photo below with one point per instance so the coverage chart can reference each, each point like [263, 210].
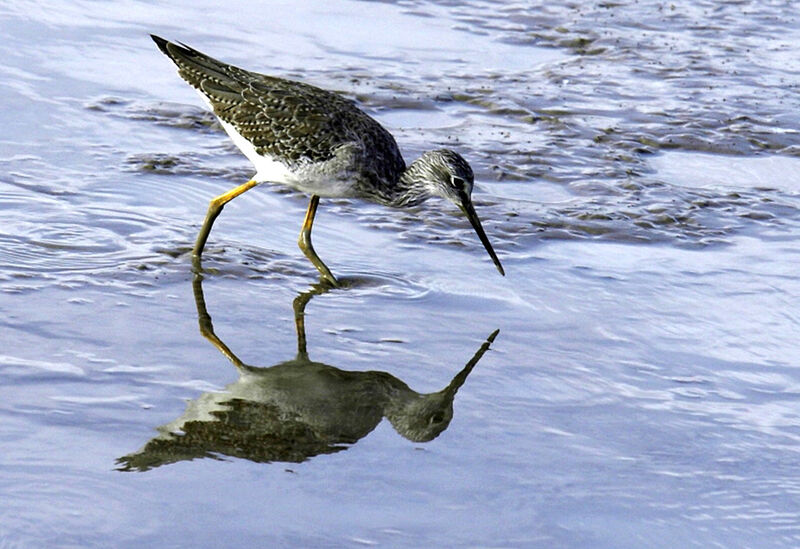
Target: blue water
[637, 169]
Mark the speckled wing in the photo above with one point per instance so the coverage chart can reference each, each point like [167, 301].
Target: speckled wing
[291, 121]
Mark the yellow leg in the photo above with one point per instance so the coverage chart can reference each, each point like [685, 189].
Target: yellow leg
[305, 244]
[214, 209]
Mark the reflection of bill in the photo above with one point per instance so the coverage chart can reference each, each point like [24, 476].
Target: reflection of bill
[296, 409]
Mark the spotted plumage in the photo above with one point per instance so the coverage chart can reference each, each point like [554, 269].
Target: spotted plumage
[318, 142]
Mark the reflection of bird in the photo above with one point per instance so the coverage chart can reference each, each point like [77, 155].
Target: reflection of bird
[318, 142]
[296, 409]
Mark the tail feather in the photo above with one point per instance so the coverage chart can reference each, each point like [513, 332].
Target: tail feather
[194, 66]
[161, 43]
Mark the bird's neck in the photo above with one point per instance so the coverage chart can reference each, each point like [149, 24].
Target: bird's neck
[412, 187]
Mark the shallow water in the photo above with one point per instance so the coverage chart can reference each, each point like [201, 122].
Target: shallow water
[637, 169]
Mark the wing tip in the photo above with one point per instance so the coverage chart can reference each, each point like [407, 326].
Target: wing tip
[175, 50]
[161, 43]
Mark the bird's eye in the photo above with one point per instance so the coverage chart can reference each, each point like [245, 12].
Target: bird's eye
[458, 183]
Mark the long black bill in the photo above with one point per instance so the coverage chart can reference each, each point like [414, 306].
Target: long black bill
[469, 210]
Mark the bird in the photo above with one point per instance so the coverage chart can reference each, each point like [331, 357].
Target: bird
[318, 142]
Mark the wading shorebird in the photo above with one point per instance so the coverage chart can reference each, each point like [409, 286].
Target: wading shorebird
[319, 143]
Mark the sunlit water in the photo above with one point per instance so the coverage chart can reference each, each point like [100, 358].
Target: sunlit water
[638, 171]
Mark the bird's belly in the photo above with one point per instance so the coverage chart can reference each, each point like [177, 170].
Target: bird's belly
[324, 187]
[311, 181]
[267, 169]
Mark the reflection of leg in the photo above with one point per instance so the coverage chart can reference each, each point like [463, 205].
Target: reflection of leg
[299, 306]
[214, 209]
[305, 244]
[204, 320]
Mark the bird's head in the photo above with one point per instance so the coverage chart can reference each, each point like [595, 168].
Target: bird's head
[445, 173]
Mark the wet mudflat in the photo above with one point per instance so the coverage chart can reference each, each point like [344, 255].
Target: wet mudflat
[637, 169]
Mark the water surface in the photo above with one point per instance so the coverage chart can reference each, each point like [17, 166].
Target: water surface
[636, 170]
